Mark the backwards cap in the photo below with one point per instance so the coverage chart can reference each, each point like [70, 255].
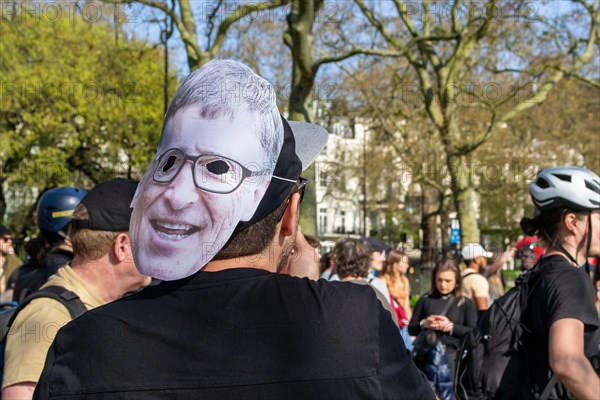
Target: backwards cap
[108, 206]
[471, 251]
[302, 143]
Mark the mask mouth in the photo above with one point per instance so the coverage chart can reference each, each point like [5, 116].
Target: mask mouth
[173, 231]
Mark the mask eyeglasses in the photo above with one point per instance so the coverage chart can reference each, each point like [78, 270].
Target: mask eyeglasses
[211, 172]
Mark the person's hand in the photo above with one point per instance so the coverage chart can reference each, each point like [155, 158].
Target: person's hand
[439, 323]
[430, 322]
[504, 257]
[444, 324]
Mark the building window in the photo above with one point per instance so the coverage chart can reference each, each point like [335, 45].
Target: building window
[322, 220]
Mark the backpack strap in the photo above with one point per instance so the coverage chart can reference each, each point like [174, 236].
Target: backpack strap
[448, 305]
[549, 386]
[469, 274]
[70, 300]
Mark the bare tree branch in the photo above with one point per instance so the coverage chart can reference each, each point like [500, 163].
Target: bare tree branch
[243, 11]
[353, 52]
[379, 25]
[595, 83]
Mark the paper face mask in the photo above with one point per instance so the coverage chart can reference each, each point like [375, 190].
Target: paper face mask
[207, 176]
[226, 160]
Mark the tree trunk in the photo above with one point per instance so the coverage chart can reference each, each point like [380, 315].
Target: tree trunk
[299, 38]
[429, 209]
[2, 201]
[308, 209]
[465, 199]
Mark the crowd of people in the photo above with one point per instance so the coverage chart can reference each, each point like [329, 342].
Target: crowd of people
[198, 282]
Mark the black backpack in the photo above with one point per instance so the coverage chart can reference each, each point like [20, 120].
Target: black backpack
[491, 362]
[9, 311]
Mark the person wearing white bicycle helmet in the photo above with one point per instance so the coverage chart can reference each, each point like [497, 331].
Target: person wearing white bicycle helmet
[561, 314]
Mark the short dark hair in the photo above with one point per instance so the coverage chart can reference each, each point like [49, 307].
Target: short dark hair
[446, 264]
[352, 257]
[255, 239]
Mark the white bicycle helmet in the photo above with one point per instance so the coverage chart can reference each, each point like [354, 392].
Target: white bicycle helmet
[571, 187]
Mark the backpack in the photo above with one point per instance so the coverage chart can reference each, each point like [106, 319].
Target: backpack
[9, 311]
[491, 362]
[429, 355]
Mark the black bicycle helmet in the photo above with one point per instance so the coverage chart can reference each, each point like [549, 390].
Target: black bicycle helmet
[574, 188]
[54, 210]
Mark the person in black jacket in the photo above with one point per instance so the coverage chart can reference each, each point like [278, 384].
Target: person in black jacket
[444, 309]
[232, 326]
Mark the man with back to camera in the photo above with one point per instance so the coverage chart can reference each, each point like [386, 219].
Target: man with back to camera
[101, 271]
[236, 329]
[474, 285]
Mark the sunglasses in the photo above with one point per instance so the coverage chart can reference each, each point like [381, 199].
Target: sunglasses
[7, 238]
[299, 187]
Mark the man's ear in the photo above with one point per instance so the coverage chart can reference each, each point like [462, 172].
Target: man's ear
[122, 247]
[289, 221]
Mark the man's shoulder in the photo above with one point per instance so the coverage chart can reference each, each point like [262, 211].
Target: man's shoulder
[301, 294]
[40, 318]
[473, 277]
[43, 310]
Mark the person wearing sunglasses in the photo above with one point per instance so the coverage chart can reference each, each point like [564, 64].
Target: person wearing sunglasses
[230, 326]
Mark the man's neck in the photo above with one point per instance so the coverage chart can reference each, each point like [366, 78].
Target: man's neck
[474, 266]
[242, 262]
[98, 277]
[66, 246]
[353, 278]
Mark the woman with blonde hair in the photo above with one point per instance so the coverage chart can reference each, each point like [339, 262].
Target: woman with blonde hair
[394, 275]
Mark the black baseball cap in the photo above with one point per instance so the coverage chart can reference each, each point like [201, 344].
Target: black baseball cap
[108, 205]
[302, 142]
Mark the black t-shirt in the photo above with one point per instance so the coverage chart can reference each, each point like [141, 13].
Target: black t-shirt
[560, 290]
[235, 334]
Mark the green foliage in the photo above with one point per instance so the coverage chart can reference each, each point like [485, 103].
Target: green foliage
[81, 102]
[510, 276]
